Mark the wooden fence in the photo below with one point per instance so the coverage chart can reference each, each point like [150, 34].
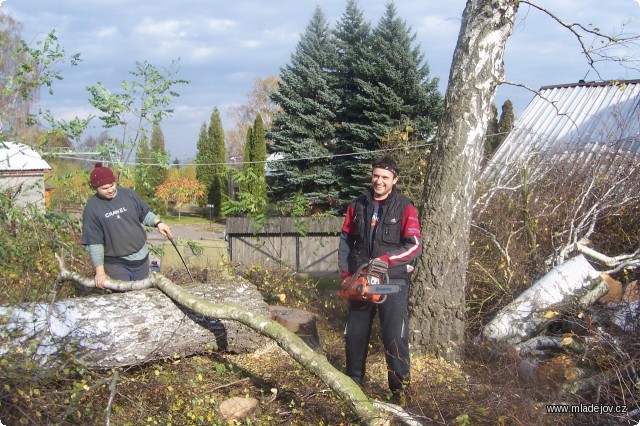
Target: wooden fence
[305, 245]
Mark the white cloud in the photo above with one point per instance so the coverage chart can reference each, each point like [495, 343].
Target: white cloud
[251, 44]
[219, 25]
[106, 32]
[223, 47]
[162, 29]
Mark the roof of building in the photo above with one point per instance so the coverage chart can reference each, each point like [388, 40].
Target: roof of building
[572, 123]
[16, 156]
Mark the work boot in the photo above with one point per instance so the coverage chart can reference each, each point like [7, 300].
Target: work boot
[401, 397]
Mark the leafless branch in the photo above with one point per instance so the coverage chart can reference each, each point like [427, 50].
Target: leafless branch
[112, 394]
[607, 42]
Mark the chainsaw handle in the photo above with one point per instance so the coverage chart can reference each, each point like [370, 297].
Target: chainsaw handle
[365, 266]
[360, 269]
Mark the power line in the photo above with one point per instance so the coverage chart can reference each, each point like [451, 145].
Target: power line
[236, 163]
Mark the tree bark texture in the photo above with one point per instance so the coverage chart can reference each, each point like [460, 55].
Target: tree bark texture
[131, 328]
[531, 311]
[436, 303]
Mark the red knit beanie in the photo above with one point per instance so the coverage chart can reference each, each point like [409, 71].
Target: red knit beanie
[101, 175]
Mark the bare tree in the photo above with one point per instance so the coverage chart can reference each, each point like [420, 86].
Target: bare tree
[437, 293]
[437, 306]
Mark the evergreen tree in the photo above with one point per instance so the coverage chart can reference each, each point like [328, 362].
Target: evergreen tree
[259, 158]
[352, 71]
[303, 130]
[143, 158]
[151, 168]
[253, 187]
[507, 120]
[211, 158]
[245, 184]
[393, 92]
[158, 170]
[493, 128]
[204, 159]
[217, 185]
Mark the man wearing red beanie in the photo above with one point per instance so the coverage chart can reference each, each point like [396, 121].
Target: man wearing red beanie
[112, 229]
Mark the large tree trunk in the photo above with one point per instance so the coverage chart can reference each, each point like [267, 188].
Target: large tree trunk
[437, 293]
[131, 328]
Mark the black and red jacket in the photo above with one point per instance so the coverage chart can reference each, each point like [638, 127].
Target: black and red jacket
[397, 239]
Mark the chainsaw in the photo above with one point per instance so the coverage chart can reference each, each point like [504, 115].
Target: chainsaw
[369, 284]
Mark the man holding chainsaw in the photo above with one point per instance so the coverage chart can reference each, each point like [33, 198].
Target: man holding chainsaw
[112, 229]
[379, 239]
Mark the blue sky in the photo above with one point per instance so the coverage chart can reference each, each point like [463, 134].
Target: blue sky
[224, 45]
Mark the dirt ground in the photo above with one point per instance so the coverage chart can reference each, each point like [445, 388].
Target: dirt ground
[197, 232]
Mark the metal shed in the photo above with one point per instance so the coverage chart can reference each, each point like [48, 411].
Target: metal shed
[22, 174]
[578, 125]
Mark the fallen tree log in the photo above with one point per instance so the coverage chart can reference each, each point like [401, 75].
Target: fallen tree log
[528, 314]
[369, 412]
[342, 385]
[123, 329]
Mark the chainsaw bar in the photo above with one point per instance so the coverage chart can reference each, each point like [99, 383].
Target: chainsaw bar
[383, 289]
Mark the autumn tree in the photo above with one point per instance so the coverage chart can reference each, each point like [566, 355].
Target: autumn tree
[24, 70]
[258, 101]
[180, 190]
[436, 303]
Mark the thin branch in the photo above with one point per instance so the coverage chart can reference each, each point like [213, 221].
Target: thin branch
[109, 284]
[112, 394]
[593, 55]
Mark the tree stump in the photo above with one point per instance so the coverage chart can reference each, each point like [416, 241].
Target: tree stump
[299, 322]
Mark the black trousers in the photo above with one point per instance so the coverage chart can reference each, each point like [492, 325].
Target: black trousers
[394, 323]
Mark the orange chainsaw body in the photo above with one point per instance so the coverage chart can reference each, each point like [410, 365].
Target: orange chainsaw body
[359, 287]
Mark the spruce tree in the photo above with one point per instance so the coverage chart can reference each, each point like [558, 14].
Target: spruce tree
[303, 130]
[394, 93]
[352, 71]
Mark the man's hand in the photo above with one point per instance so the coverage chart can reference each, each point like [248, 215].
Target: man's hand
[101, 277]
[164, 229]
[378, 265]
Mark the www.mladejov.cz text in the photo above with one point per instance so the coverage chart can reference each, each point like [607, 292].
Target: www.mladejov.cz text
[586, 408]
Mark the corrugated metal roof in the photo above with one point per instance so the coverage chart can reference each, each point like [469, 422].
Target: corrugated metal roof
[573, 123]
[19, 157]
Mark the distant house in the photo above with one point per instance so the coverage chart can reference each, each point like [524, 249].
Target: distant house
[586, 128]
[22, 174]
